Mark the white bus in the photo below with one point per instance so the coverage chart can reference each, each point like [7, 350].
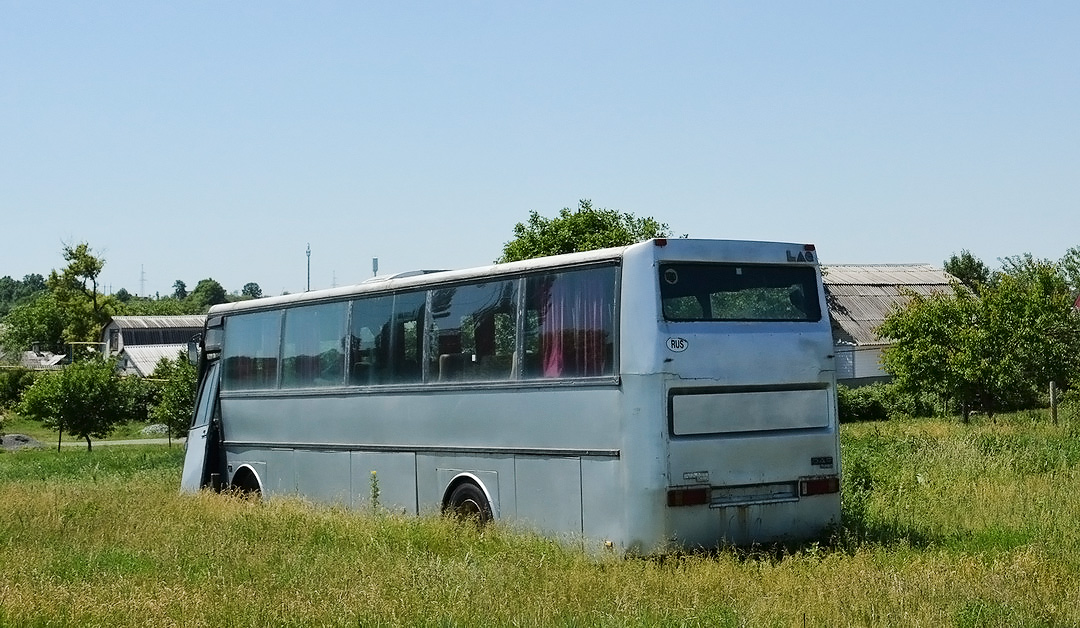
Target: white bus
[673, 393]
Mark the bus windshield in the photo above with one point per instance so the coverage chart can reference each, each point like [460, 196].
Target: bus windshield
[739, 292]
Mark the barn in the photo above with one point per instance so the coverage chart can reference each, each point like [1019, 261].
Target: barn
[141, 341]
[860, 296]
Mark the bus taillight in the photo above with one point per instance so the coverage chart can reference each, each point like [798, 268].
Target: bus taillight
[819, 486]
[687, 496]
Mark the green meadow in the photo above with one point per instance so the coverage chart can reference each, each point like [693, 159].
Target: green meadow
[945, 525]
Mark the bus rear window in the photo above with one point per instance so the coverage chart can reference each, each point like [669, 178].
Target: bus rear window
[739, 292]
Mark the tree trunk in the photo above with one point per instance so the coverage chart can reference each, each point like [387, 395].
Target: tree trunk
[89, 445]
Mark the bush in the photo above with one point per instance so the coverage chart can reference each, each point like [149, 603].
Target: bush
[13, 382]
[1069, 408]
[879, 402]
[860, 404]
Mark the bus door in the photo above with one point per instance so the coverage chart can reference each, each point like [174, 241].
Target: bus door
[200, 440]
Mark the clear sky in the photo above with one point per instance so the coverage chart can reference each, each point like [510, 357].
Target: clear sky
[186, 140]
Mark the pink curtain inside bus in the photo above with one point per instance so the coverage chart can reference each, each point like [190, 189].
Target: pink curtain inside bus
[576, 323]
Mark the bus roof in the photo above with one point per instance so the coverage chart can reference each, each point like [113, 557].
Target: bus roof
[743, 250]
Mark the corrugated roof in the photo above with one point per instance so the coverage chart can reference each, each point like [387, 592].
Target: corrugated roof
[158, 322]
[886, 275]
[862, 296]
[144, 358]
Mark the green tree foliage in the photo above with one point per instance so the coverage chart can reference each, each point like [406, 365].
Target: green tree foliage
[179, 290]
[990, 351]
[252, 291]
[165, 306]
[13, 382]
[86, 399]
[176, 399]
[208, 292]
[969, 269]
[1070, 267]
[138, 396]
[84, 309]
[582, 230]
[15, 292]
[40, 320]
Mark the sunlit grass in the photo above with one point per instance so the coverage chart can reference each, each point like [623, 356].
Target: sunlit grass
[947, 525]
[16, 424]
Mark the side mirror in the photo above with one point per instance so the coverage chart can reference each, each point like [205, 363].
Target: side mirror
[193, 350]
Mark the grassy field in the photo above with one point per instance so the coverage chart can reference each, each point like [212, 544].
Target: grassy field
[945, 525]
[15, 424]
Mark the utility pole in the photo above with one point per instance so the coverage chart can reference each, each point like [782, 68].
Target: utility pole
[309, 267]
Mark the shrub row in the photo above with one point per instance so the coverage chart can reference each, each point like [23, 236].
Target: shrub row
[879, 402]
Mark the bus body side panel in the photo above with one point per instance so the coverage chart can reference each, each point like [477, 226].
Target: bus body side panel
[553, 444]
[393, 474]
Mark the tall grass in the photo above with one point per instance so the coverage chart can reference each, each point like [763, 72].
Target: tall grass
[945, 525]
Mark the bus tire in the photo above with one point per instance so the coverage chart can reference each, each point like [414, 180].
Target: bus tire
[468, 503]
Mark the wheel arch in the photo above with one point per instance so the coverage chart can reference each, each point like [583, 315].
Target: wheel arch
[246, 479]
[466, 477]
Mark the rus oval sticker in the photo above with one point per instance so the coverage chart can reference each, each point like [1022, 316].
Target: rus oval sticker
[677, 345]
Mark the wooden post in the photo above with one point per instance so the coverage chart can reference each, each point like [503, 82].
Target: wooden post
[1053, 402]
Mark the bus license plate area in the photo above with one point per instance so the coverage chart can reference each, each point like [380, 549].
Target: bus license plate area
[779, 492]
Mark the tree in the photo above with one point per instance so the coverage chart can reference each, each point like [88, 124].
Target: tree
[40, 320]
[208, 292]
[968, 269]
[14, 292]
[179, 290]
[252, 291]
[989, 351]
[85, 310]
[85, 398]
[176, 403]
[582, 230]
[1070, 267]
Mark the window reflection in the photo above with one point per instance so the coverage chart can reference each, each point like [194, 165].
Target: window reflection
[251, 351]
[313, 351]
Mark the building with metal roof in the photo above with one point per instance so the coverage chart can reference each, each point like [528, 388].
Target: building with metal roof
[123, 331]
[142, 341]
[141, 360]
[860, 297]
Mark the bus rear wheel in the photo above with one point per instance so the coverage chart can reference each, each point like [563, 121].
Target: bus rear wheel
[468, 503]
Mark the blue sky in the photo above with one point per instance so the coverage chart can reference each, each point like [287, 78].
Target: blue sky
[188, 140]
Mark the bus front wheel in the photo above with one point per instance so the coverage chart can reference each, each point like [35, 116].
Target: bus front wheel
[468, 503]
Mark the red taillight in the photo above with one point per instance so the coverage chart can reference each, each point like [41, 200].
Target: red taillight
[819, 486]
[808, 247]
[687, 496]
[660, 241]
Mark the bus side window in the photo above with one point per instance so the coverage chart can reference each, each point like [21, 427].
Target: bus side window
[369, 342]
[473, 332]
[570, 324]
[250, 353]
[407, 341]
[313, 346]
